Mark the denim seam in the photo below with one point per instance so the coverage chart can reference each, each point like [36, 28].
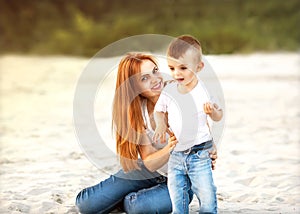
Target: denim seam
[108, 209]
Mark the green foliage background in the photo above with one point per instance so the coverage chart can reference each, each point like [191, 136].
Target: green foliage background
[78, 27]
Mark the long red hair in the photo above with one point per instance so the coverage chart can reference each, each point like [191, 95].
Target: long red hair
[127, 118]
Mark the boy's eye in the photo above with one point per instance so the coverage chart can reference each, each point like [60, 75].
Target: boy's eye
[171, 68]
[183, 68]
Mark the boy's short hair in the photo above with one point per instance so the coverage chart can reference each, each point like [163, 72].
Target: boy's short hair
[181, 44]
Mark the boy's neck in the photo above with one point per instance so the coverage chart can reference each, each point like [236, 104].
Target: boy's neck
[183, 89]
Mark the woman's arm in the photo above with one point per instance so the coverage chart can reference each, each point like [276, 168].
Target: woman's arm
[153, 158]
[161, 127]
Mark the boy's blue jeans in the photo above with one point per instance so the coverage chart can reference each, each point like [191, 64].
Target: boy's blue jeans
[191, 170]
[146, 194]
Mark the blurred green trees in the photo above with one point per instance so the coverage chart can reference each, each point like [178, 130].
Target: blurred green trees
[78, 27]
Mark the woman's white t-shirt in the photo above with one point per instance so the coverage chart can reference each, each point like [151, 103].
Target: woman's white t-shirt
[150, 132]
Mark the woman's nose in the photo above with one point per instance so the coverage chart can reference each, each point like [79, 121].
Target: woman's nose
[153, 79]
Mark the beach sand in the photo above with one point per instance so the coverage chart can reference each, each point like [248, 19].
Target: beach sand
[42, 166]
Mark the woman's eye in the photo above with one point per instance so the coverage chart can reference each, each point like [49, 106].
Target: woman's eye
[144, 78]
[155, 70]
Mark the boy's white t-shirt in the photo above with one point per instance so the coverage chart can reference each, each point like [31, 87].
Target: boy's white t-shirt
[186, 116]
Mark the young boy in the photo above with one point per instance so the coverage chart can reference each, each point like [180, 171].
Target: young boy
[187, 103]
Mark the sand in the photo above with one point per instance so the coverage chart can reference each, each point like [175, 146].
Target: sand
[43, 167]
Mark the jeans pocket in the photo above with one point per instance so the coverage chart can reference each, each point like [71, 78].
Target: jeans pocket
[203, 154]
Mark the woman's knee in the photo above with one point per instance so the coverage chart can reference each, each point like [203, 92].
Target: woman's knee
[84, 202]
[80, 202]
[146, 201]
[132, 205]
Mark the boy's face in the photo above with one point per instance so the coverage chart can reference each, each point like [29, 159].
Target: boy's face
[184, 69]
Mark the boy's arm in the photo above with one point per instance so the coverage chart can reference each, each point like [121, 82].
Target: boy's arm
[161, 126]
[213, 111]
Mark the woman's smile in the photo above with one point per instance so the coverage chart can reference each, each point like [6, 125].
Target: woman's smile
[157, 86]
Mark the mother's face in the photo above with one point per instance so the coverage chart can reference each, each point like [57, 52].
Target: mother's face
[149, 80]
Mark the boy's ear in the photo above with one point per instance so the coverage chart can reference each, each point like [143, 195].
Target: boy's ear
[200, 65]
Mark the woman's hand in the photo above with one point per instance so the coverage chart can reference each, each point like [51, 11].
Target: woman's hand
[155, 158]
[213, 156]
[172, 141]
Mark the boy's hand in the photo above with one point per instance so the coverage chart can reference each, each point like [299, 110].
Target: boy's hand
[209, 108]
[160, 133]
[213, 111]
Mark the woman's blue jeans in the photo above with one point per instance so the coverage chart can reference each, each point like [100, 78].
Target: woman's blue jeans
[191, 170]
[140, 191]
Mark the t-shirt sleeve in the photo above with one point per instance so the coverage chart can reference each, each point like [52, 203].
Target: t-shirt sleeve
[161, 104]
[211, 98]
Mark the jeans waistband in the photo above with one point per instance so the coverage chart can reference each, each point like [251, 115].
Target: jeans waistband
[161, 179]
[199, 147]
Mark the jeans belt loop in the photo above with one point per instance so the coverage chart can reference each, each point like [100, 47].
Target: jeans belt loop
[186, 152]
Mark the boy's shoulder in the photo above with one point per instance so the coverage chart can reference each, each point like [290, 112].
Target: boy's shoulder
[201, 84]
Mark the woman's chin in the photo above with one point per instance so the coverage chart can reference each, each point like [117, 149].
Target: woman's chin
[156, 93]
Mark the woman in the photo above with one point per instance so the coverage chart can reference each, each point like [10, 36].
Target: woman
[142, 184]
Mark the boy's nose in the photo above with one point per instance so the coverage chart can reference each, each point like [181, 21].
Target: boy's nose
[176, 72]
